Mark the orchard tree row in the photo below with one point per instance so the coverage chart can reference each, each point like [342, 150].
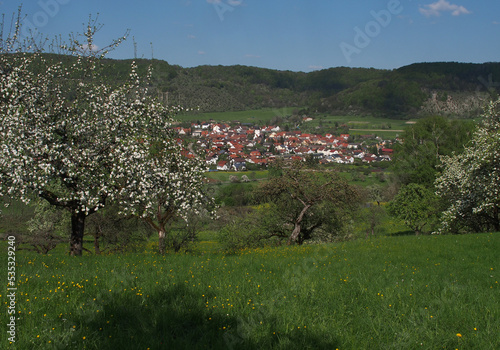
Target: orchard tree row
[75, 142]
[70, 139]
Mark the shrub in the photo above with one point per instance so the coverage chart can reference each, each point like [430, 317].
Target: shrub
[247, 231]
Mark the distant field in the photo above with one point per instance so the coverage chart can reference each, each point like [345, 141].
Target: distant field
[384, 134]
[264, 116]
[360, 125]
[260, 116]
[224, 176]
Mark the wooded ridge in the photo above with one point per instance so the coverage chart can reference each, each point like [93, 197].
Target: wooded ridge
[417, 90]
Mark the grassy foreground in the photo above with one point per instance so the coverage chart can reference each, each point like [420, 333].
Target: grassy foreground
[428, 292]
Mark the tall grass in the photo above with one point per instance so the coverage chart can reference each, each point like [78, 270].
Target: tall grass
[428, 292]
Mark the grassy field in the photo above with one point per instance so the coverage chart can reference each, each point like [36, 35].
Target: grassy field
[427, 292]
[363, 125]
[365, 122]
[224, 176]
[259, 116]
[358, 124]
[357, 175]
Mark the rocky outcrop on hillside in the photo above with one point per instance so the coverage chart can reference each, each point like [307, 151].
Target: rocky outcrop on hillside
[458, 104]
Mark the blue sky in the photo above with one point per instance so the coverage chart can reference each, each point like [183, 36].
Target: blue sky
[297, 35]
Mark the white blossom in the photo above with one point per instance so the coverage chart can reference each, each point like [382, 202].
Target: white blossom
[102, 144]
[471, 180]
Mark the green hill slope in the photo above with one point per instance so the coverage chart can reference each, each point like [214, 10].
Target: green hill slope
[458, 89]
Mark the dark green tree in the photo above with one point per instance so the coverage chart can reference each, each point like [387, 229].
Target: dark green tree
[305, 200]
[417, 158]
[416, 205]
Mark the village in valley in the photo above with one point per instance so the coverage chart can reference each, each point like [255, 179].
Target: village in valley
[238, 146]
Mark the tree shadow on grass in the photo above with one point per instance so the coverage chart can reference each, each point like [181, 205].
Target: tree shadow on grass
[403, 233]
[171, 319]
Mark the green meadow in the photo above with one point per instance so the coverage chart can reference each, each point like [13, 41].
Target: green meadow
[363, 122]
[363, 125]
[358, 124]
[258, 116]
[403, 292]
[225, 176]
[361, 175]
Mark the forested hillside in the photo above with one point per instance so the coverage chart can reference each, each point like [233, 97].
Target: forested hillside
[417, 90]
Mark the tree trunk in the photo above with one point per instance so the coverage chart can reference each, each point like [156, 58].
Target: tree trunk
[295, 234]
[97, 249]
[161, 241]
[496, 218]
[297, 225]
[77, 229]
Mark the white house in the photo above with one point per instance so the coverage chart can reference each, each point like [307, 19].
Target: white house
[222, 165]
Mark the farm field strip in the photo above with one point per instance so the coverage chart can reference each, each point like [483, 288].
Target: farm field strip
[378, 130]
[265, 115]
